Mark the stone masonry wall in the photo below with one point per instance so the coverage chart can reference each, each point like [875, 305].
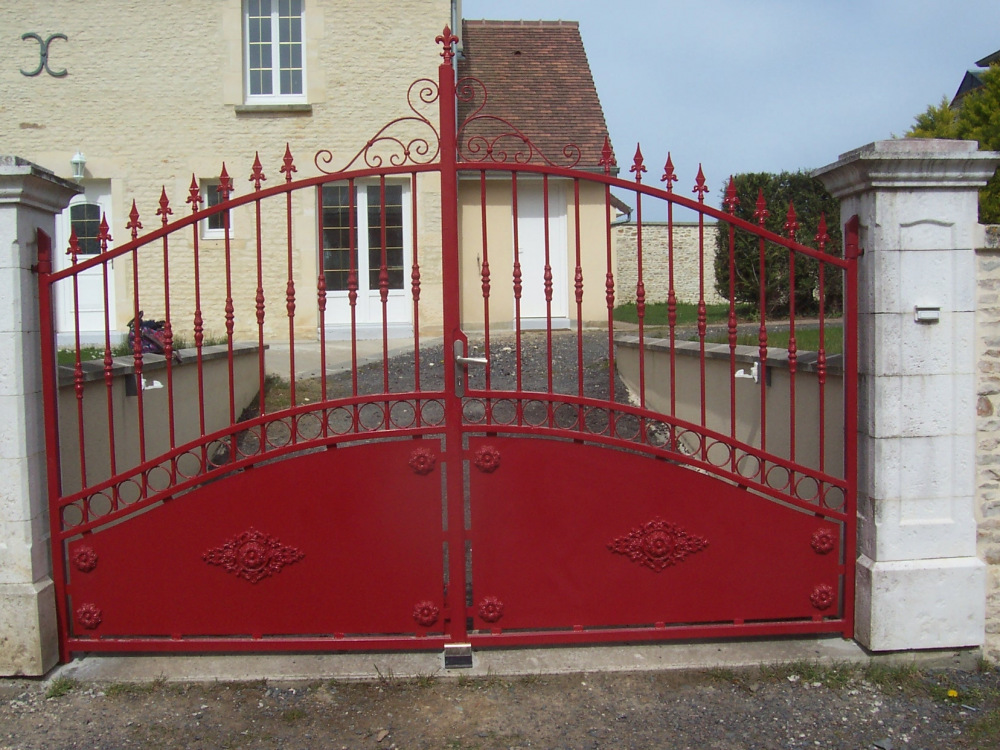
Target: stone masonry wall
[988, 429]
[655, 265]
[154, 93]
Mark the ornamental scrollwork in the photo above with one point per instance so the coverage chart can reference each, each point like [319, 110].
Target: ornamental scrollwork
[658, 545]
[253, 556]
[488, 138]
[392, 145]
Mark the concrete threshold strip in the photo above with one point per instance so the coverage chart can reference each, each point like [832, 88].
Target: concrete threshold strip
[496, 663]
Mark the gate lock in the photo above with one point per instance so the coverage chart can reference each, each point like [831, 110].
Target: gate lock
[461, 363]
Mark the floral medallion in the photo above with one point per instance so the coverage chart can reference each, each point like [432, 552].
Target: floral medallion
[84, 558]
[89, 616]
[658, 545]
[822, 596]
[253, 556]
[422, 461]
[487, 459]
[823, 541]
[426, 614]
[490, 609]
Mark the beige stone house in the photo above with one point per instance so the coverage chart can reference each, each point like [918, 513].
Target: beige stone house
[169, 92]
[143, 96]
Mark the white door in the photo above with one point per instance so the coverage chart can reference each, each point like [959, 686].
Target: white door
[84, 215]
[382, 233]
[531, 250]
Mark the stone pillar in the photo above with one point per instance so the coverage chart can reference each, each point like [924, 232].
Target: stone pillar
[30, 198]
[920, 584]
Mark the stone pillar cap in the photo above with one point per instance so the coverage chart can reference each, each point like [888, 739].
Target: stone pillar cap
[906, 163]
[24, 182]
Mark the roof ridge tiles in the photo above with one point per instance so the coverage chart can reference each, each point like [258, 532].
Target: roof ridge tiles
[522, 23]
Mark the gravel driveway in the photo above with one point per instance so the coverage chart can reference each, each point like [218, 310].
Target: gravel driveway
[797, 706]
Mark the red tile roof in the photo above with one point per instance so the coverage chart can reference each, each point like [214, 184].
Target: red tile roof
[537, 79]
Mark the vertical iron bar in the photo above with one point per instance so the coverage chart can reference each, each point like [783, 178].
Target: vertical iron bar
[164, 212]
[260, 305]
[77, 365]
[321, 304]
[547, 284]
[485, 285]
[517, 292]
[383, 286]
[578, 290]
[50, 389]
[137, 360]
[850, 322]
[415, 292]
[290, 297]
[455, 487]
[108, 361]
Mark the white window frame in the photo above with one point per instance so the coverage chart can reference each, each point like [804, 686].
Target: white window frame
[210, 197]
[275, 97]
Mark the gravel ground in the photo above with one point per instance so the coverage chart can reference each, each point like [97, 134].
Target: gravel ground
[798, 706]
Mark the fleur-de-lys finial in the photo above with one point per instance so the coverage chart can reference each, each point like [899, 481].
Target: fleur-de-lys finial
[257, 174]
[164, 210]
[133, 221]
[287, 167]
[761, 213]
[791, 221]
[731, 201]
[669, 175]
[194, 194]
[821, 234]
[447, 39]
[699, 185]
[103, 233]
[225, 184]
[637, 167]
[74, 245]
[607, 157]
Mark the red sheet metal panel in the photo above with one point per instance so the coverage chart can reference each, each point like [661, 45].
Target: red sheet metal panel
[344, 541]
[567, 536]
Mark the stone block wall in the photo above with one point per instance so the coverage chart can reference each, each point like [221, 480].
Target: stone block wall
[988, 428]
[655, 262]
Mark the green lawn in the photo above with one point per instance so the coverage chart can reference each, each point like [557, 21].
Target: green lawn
[806, 338]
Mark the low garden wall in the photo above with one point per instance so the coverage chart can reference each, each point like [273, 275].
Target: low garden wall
[748, 394]
[125, 405]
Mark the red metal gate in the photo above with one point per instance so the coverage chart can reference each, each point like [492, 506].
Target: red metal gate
[464, 500]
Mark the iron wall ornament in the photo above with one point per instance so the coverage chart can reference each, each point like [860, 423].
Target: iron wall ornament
[487, 459]
[85, 559]
[253, 556]
[89, 616]
[422, 461]
[823, 541]
[822, 597]
[43, 54]
[426, 613]
[658, 545]
[490, 609]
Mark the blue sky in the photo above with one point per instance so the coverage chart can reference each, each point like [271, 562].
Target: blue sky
[765, 85]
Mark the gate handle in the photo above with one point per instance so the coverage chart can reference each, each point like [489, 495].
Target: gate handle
[461, 362]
